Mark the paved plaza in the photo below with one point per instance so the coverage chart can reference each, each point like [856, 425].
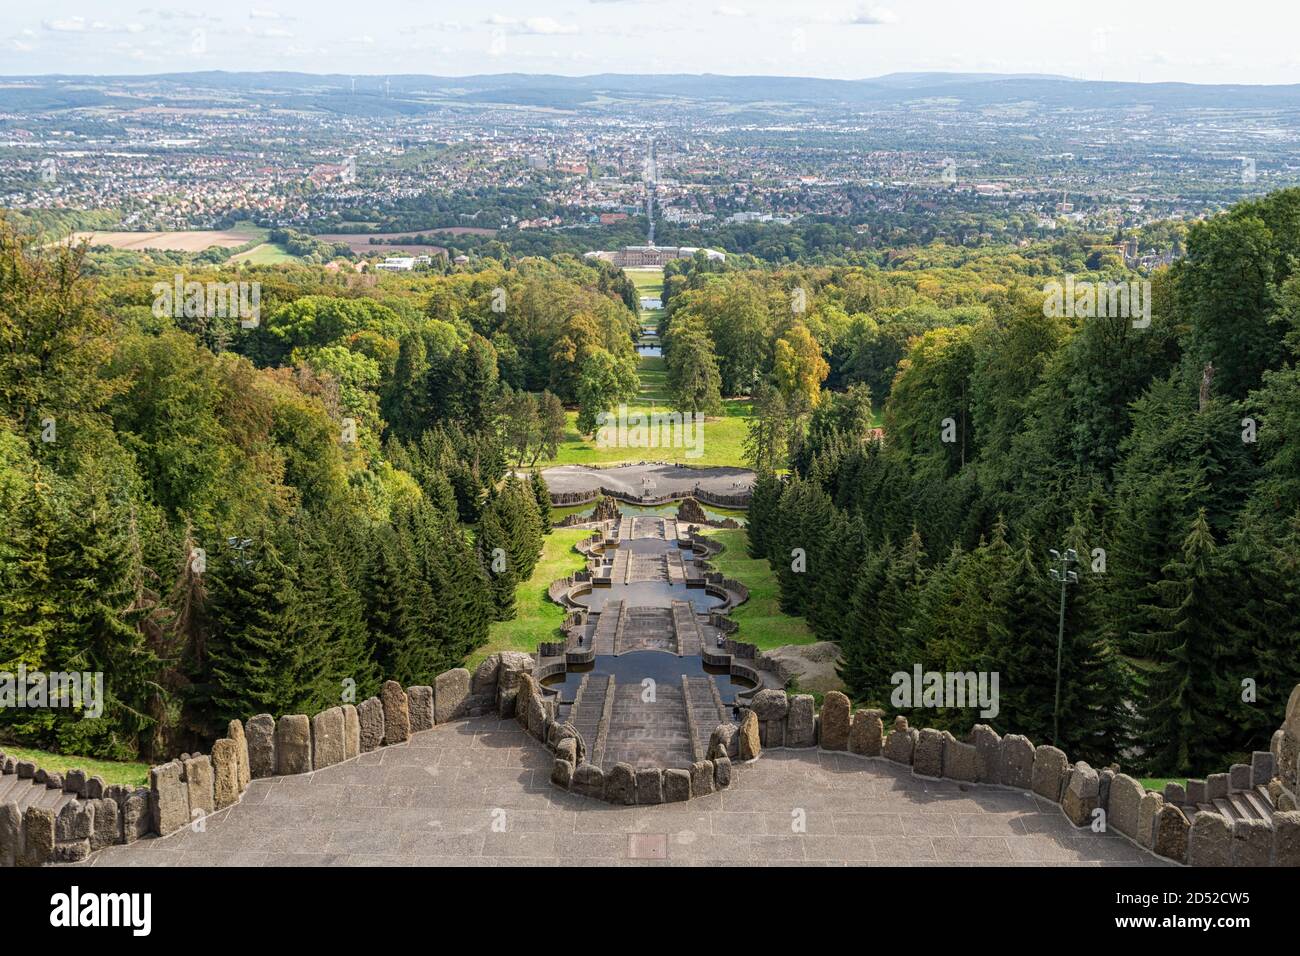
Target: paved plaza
[476, 793]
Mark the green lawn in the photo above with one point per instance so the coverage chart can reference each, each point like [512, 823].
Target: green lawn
[723, 441]
[536, 617]
[647, 281]
[760, 618]
[267, 254]
[132, 774]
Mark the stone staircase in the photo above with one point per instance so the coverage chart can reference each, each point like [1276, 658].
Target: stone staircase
[27, 793]
[704, 711]
[686, 629]
[608, 627]
[646, 734]
[588, 710]
[1241, 805]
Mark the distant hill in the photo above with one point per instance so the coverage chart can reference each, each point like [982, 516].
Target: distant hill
[410, 93]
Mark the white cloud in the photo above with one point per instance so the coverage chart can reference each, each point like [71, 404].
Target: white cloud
[873, 16]
[726, 10]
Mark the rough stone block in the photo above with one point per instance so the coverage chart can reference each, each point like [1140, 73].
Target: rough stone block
[988, 753]
[74, 781]
[1209, 842]
[620, 784]
[724, 741]
[198, 778]
[721, 773]
[588, 780]
[26, 770]
[537, 717]
[351, 732]
[397, 714]
[960, 761]
[108, 824]
[1171, 833]
[562, 773]
[677, 785]
[53, 780]
[261, 746]
[76, 851]
[1286, 838]
[235, 732]
[650, 786]
[450, 690]
[11, 834]
[419, 700]
[1252, 843]
[514, 664]
[801, 722]
[1082, 795]
[225, 773]
[169, 798]
[1017, 762]
[1216, 786]
[1175, 794]
[327, 738]
[1262, 768]
[1196, 792]
[1148, 810]
[927, 758]
[484, 681]
[1125, 798]
[751, 746]
[866, 734]
[292, 745]
[770, 704]
[701, 778]
[835, 718]
[900, 745]
[772, 733]
[75, 821]
[370, 715]
[1104, 777]
[95, 787]
[1239, 777]
[1050, 765]
[37, 836]
[137, 816]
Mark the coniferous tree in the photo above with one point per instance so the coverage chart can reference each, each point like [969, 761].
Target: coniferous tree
[1184, 690]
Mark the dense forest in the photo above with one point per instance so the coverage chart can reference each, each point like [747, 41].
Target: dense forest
[227, 517]
[231, 517]
[1167, 457]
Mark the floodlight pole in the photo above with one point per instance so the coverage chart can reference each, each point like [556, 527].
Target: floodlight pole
[1066, 577]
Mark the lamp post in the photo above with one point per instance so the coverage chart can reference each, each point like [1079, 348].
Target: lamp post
[1066, 577]
[240, 546]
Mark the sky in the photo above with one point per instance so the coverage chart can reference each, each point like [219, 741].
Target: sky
[1195, 41]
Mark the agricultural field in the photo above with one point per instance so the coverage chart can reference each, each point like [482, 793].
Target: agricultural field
[193, 240]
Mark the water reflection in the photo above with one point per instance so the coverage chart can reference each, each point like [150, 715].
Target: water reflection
[661, 667]
[649, 594]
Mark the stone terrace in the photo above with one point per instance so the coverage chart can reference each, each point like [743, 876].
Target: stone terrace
[433, 800]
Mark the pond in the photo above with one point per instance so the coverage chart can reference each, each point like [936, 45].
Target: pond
[659, 666]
